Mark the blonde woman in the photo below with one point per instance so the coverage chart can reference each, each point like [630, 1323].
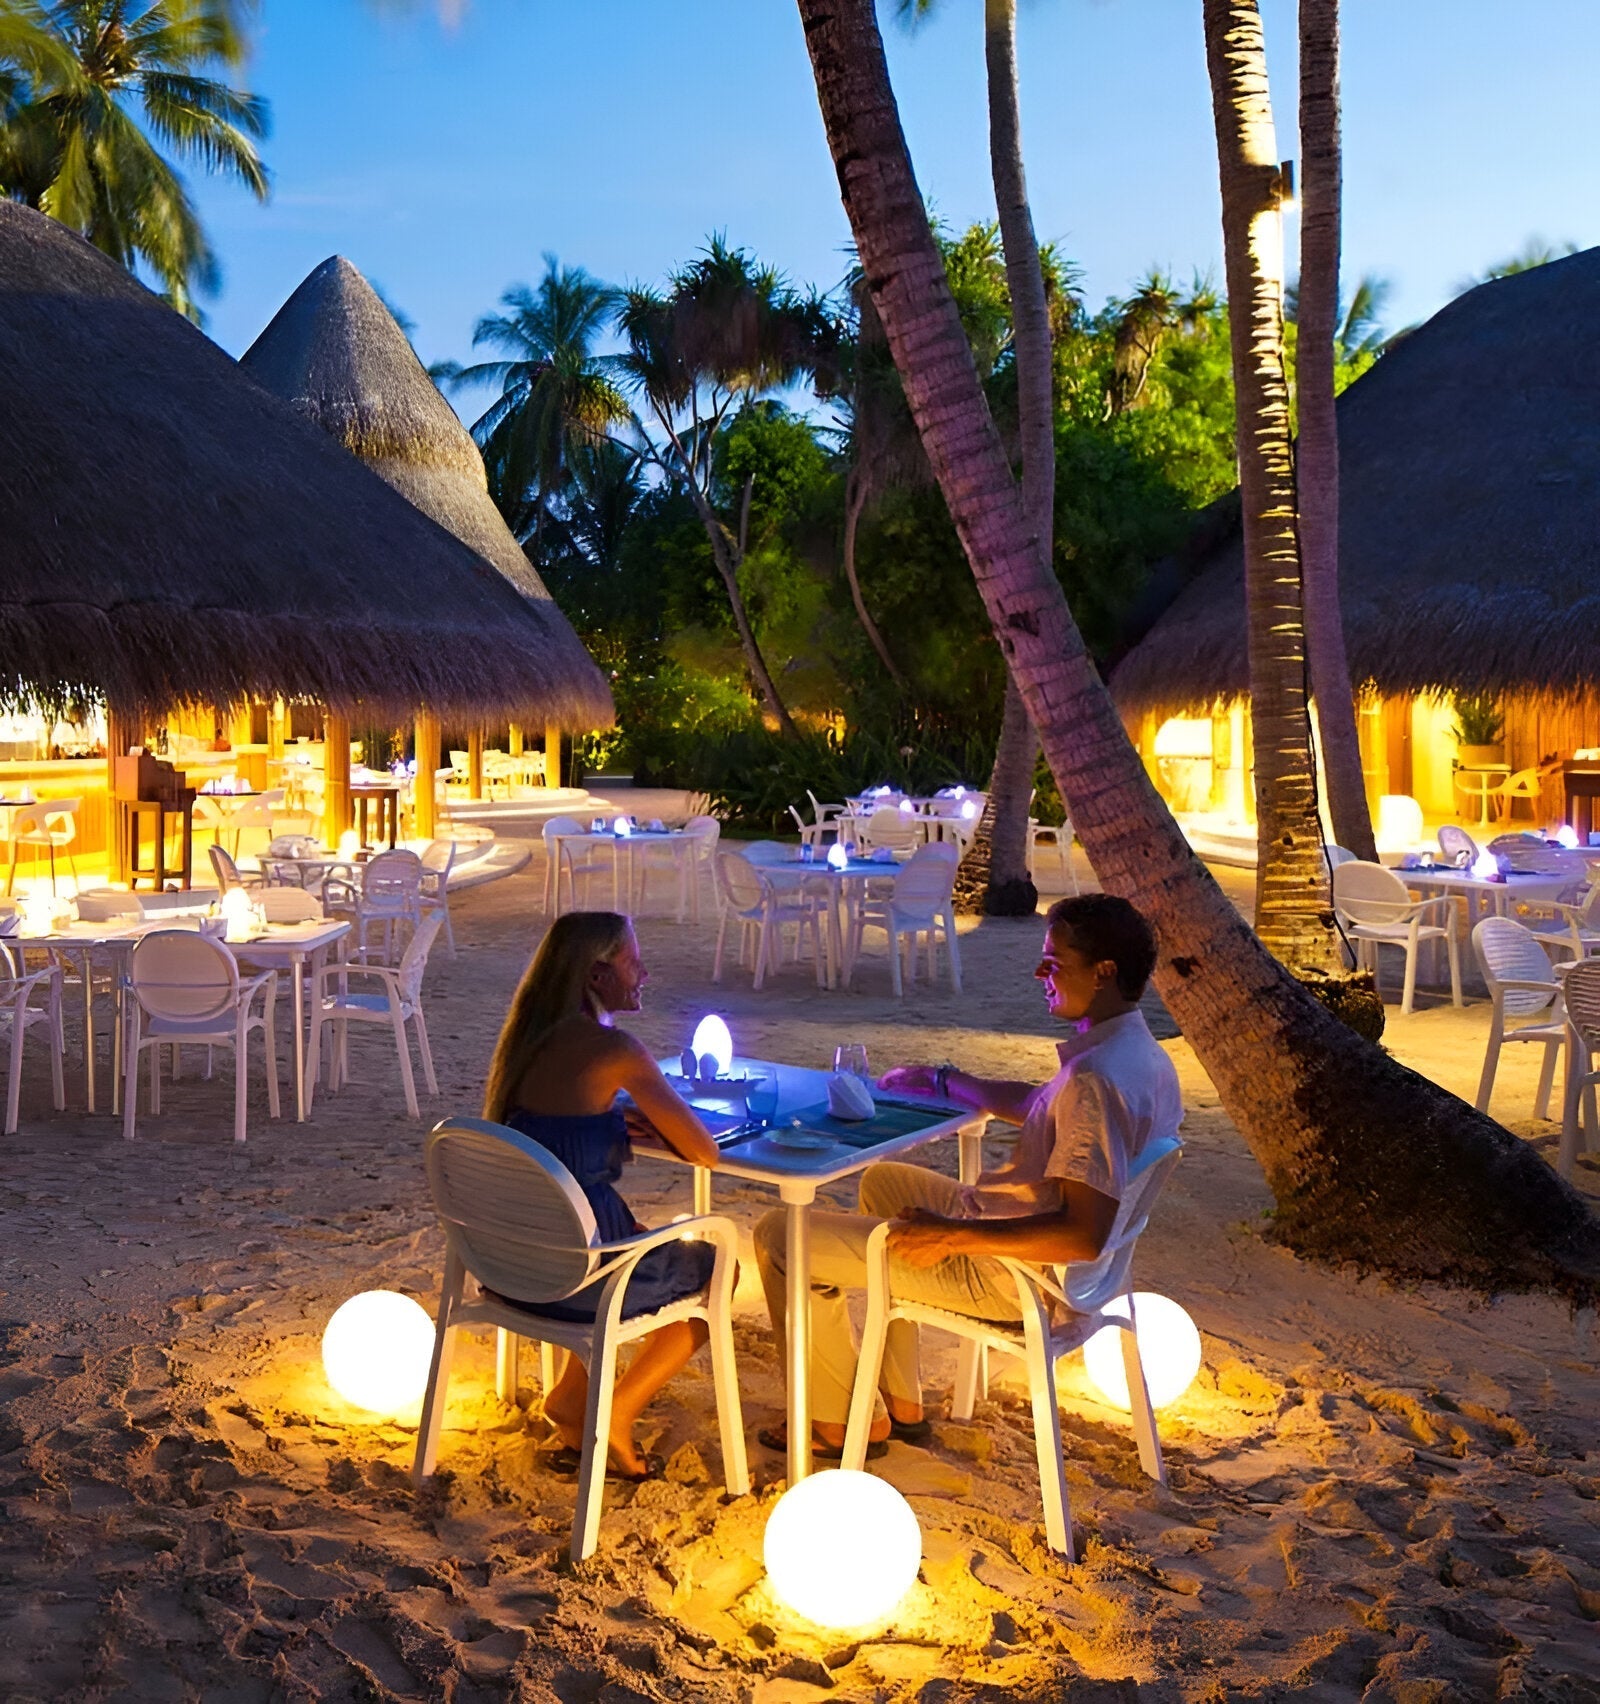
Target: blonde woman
[558, 1070]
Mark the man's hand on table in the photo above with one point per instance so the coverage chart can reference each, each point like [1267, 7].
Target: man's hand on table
[911, 1080]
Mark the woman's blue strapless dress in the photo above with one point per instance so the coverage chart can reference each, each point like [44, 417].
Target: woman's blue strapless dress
[594, 1148]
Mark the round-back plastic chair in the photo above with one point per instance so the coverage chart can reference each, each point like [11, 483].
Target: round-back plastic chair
[289, 905]
[1455, 842]
[53, 824]
[1528, 1004]
[1377, 909]
[890, 826]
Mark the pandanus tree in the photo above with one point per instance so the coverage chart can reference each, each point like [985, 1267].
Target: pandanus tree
[725, 333]
[556, 398]
[1366, 1159]
[1317, 449]
[91, 91]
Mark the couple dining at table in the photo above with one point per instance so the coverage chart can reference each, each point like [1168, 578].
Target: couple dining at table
[567, 1076]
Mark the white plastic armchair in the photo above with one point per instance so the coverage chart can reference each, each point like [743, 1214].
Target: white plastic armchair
[30, 1000]
[1581, 994]
[761, 909]
[1528, 1004]
[825, 814]
[1061, 1310]
[397, 1002]
[437, 861]
[1569, 924]
[705, 831]
[185, 989]
[1456, 845]
[573, 860]
[227, 871]
[901, 831]
[1377, 910]
[918, 904]
[52, 824]
[1055, 838]
[388, 895]
[519, 1231]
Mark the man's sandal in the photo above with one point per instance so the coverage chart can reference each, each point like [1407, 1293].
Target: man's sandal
[777, 1438]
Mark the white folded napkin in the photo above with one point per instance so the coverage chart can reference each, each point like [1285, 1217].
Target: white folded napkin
[848, 1097]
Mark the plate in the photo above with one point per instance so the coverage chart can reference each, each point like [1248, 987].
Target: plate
[805, 1141]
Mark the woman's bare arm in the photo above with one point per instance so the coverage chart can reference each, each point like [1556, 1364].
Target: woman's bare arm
[666, 1111]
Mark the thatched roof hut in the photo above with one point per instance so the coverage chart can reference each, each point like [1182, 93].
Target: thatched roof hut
[334, 352]
[171, 533]
[1470, 524]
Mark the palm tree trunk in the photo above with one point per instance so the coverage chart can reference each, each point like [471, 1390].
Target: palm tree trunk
[728, 567]
[1317, 453]
[1010, 891]
[855, 500]
[1294, 916]
[983, 885]
[1367, 1160]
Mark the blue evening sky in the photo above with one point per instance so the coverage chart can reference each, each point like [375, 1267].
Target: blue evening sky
[617, 133]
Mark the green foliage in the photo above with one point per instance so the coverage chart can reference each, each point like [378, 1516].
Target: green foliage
[1479, 720]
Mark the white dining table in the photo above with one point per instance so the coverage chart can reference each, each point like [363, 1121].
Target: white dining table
[299, 947]
[838, 883]
[671, 840]
[797, 1174]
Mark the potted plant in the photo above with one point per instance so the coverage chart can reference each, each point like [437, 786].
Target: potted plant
[1478, 727]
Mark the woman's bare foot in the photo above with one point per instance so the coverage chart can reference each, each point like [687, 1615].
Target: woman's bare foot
[565, 1411]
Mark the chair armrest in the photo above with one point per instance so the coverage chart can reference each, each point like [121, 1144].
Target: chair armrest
[1528, 987]
[343, 968]
[248, 989]
[12, 986]
[717, 1227]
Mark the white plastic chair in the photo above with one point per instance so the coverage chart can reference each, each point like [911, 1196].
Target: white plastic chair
[766, 852]
[564, 858]
[1338, 855]
[52, 824]
[389, 894]
[812, 833]
[761, 910]
[186, 989]
[18, 1014]
[1581, 995]
[706, 831]
[516, 1221]
[281, 904]
[1527, 999]
[1082, 1291]
[257, 814]
[1568, 924]
[399, 1004]
[1056, 837]
[901, 831]
[918, 904]
[228, 873]
[437, 861]
[826, 814]
[1377, 910]
[1454, 841]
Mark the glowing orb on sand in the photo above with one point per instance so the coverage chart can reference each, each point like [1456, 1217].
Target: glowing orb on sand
[842, 1548]
[376, 1351]
[1169, 1346]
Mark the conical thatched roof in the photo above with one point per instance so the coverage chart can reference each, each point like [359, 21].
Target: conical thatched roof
[171, 533]
[1470, 512]
[334, 351]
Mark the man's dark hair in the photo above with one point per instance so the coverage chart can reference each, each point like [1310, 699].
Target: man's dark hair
[1106, 927]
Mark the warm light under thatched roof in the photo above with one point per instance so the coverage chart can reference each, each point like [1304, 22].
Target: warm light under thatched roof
[1470, 524]
[171, 533]
[334, 351]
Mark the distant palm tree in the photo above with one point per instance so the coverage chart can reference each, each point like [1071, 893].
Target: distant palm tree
[556, 394]
[1535, 252]
[90, 91]
[1145, 322]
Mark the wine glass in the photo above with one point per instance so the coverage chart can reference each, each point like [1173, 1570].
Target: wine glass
[851, 1058]
[761, 1100]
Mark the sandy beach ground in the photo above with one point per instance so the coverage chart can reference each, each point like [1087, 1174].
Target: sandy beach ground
[1377, 1493]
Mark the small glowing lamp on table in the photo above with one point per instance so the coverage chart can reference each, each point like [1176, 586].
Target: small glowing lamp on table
[710, 1052]
[238, 913]
[837, 856]
[376, 1351]
[1169, 1349]
[842, 1549]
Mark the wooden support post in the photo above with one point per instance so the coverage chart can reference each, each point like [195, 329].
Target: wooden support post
[552, 754]
[428, 742]
[514, 740]
[122, 731]
[239, 724]
[475, 762]
[335, 776]
[277, 727]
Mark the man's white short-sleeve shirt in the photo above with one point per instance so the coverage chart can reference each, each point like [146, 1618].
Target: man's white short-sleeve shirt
[1116, 1092]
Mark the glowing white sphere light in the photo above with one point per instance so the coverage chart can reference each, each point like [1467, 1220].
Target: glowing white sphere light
[1169, 1347]
[622, 828]
[712, 1037]
[1566, 835]
[837, 856]
[842, 1548]
[376, 1351]
[968, 810]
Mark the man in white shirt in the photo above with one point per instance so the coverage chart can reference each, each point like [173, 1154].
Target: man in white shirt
[1054, 1202]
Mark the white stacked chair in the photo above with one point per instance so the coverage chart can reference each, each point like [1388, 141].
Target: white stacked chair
[437, 861]
[917, 904]
[397, 1004]
[575, 863]
[387, 896]
[30, 1000]
[1581, 995]
[53, 825]
[1528, 1004]
[761, 909]
[185, 989]
[1376, 910]
[1082, 1291]
[518, 1229]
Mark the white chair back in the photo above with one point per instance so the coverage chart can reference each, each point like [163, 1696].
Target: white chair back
[392, 879]
[1090, 1284]
[1509, 953]
[1336, 855]
[289, 905]
[513, 1214]
[922, 887]
[439, 857]
[51, 822]
[1369, 893]
[182, 976]
[739, 882]
[1581, 989]
[227, 872]
[414, 960]
[708, 831]
[1454, 841]
[893, 827]
[559, 825]
[818, 814]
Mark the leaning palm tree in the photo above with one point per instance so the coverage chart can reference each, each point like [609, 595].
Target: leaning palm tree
[83, 137]
[725, 333]
[556, 394]
[1317, 452]
[1367, 1160]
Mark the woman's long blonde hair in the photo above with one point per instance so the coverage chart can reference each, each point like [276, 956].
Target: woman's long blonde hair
[554, 987]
